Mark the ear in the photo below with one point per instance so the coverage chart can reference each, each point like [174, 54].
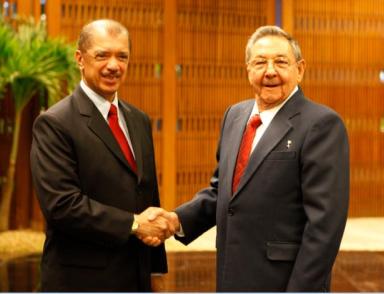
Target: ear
[249, 75]
[79, 59]
[301, 69]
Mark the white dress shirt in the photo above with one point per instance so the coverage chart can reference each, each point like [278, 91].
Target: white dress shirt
[103, 105]
[266, 117]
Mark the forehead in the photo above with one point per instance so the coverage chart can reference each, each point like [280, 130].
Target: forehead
[271, 46]
[105, 41]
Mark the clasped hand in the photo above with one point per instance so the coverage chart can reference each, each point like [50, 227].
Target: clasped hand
[156, 225]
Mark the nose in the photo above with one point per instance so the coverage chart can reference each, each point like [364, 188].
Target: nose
[112, 63]
[270, 70]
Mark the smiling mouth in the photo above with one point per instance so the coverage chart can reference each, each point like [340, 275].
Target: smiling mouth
[111, 78]
[271, 86]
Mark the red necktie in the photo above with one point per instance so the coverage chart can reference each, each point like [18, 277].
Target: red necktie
[120, 137]
[245, 150]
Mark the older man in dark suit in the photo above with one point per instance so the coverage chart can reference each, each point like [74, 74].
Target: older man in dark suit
[279, 195]
[94, 171]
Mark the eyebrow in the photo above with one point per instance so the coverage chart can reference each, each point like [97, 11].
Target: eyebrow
[263, 56]
[101, 51]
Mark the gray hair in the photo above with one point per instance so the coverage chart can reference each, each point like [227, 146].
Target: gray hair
[272, 31]
[112, 27]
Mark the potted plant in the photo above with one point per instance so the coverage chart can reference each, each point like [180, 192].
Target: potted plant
[31, 65]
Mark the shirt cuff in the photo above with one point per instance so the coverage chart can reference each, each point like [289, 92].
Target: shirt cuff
[180, 232]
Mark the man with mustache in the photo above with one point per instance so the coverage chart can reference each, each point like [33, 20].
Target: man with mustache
[93, 167]
[279, 195]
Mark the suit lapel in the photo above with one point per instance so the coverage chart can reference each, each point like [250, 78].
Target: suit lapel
[278, 128]
[272, 136]
[135, 134]
[236, 135]
[98, 125]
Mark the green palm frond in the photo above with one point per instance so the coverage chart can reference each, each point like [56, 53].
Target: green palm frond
[37, 63]
[31, 64]
[7, 47]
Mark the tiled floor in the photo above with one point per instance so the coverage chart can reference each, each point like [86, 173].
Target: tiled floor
[354, 271]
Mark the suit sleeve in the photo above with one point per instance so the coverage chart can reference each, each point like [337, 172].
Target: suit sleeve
[158, 254]
[199, 214]
[325, 191]
[65, 207]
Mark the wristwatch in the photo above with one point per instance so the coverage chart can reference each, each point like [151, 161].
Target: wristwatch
[135, 225]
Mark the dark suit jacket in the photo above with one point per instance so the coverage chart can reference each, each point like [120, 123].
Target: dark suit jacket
[281, 230]
[88, 195]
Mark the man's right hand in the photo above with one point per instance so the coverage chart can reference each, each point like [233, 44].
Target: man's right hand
[156, 225]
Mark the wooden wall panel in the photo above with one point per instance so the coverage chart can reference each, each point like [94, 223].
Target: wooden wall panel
[6, 131]
[143, 87]
[144, 20]
[8, 8]
[25, 212]
[342, 42]
[210, 41]
[212, 76]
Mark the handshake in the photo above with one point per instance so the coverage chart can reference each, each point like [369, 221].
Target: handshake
[155, 225]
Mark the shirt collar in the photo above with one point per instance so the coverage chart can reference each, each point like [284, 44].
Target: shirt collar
[267, 115]
[102, 104]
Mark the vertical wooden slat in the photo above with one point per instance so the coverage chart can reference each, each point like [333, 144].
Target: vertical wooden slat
[169, 106]
[53, 17]
[24, 8]
[271, 12]
[341, 42]
[287, 15]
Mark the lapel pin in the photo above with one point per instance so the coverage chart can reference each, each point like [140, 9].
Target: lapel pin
[289, 143]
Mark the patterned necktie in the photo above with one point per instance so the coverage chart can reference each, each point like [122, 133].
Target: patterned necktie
[120, 137]
[245, 150]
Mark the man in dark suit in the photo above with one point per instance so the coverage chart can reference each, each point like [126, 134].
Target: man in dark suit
[93, 167]
[279, 195]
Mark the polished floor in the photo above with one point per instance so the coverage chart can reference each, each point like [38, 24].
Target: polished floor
[354, 271]
[359, 266]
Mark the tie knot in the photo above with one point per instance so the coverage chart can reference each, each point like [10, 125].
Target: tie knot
[255, 121]
[112, 110]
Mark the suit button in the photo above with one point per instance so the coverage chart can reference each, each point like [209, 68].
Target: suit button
[231, 211]
[139, 191]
